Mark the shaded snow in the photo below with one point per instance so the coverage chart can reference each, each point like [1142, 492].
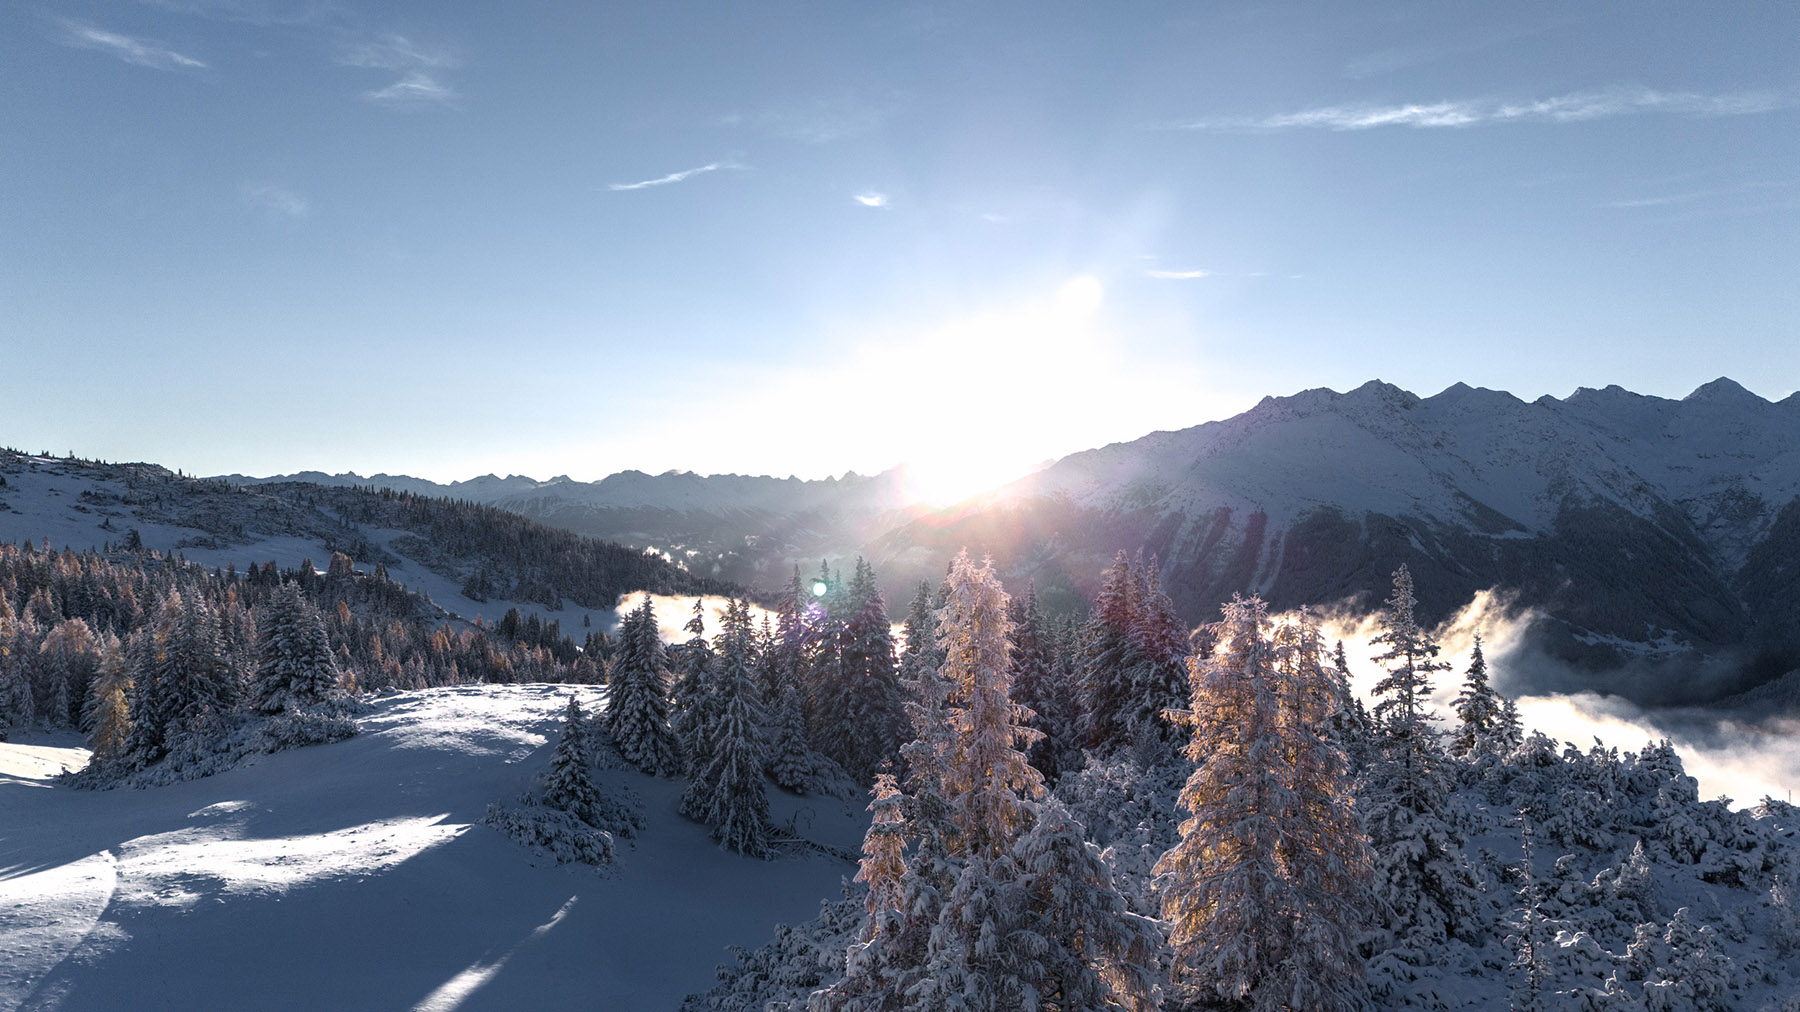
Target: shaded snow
[356, 875]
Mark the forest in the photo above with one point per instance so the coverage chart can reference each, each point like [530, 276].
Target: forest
[1110, 811]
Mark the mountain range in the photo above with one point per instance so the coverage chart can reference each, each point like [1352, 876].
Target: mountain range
[1656, 540]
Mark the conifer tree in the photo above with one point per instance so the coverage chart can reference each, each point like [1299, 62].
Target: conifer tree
[1478, 710]
[1159, 680]
[17, 707]
[295, 667]
[790, 756]
[1263, 889]
[694, 706]
[1511, 730]
[109, 713]
[637, 712]
[1403, 713]
[737, 805]
[883, 865]
[568, 782]
[1097, 953]
[1110, 658]
[1531, 939]
[1041, 684]
[988, 783]
[864, 699]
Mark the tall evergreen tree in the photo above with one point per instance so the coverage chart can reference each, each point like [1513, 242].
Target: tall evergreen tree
[108, 713]
[1262, 891]
[637, 712]
[295, 667]
[737, 805]
[694, 706]
[1478, 710]
[988, 783]
[1159, 679]
[864, 699]
[1037, 686]
[1110, 659]
[1403, 713]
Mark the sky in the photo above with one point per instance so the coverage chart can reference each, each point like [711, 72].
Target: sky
[449, 238]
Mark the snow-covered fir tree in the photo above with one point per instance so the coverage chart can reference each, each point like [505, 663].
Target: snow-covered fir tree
[988, 781]
[883, 865]
[864, 701]
[1043, 682]
[568, 782]
[1159, 681]
[1097, 954]
[695, 710]
[734, 802]
[637, 712]
[790, 755]
[1403, 708]
[1110, 658]
[17, 705]
[1531, 940]
[1263, 891]
[1478, 710]
[295, 668]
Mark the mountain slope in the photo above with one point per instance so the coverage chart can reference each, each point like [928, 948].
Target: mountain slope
[1646, 532]
[1642, 527]
[354, 875]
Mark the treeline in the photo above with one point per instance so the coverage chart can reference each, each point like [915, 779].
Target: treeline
[489, 552]
[500, 554]
[66, 616]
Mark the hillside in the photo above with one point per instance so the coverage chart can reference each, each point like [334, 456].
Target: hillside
[355, 875]
[471, 560]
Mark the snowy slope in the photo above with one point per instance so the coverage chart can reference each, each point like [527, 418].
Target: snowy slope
[355, 876]
[66, 502]
[1381, 449]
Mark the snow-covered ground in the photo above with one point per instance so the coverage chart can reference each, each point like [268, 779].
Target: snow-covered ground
[357, 876]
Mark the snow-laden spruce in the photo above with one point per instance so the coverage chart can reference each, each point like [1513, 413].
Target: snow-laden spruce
[294, 667]
[637, 712]
[1266, 891]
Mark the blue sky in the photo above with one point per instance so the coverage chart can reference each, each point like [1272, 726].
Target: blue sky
[451, 238]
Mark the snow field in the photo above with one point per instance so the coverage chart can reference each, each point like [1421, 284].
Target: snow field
[356, 876]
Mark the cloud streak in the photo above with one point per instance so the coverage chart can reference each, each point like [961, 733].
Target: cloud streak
[673, 177]
[1180, 275]
[870, 199]
[1578, 107]
[136, 51]
[421, 68]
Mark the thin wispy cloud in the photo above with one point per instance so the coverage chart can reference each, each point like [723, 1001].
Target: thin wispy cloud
[421, 68]
[819, 121]
[673, 177]
[1732, 194]
[1578, 107]
[133, 50]
[275, 199]
[1179, 275]
[870, 199]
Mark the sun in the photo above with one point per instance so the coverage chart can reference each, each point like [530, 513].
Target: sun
[997, 382]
